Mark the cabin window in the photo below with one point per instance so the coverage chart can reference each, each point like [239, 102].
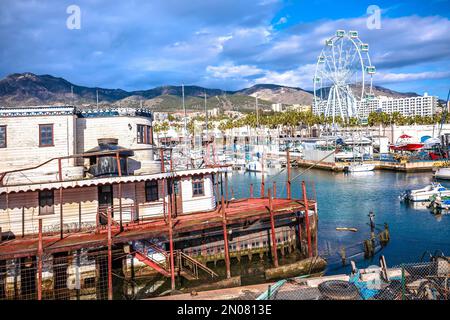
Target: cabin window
[149, 135]
[140, 133]
[46, 201]
[46, 135]
[198, 187]
[2, 136]
[144, 134]
[151, 191]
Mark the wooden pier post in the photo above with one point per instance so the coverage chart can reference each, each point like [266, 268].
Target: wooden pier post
[40, 254]
[171, 257]
[225, 240]
[308, 230]
[288, 166]
[110, 288]
[272, 229]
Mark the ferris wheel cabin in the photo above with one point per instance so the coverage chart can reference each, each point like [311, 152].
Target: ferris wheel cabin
[371, 70]
[353, 34]
[321, 59]
[340, 33]
[329, 42]
[365, 47]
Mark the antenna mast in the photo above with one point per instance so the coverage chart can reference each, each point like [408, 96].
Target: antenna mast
[185, 126]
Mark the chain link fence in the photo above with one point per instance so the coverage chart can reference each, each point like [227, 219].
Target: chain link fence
[412, 281]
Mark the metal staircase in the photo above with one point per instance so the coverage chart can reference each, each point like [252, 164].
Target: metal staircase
[159, 259]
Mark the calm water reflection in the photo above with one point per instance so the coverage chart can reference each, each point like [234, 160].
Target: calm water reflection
[345, 201]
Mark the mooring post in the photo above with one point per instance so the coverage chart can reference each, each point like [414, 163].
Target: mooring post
[308, 231]
[288, 166]
[251, 190]
[172, 263]
[110, 288]
[372, 228]
[262, 178]
[61, 225]
[225, 240]
[40, 254]
[272, 229]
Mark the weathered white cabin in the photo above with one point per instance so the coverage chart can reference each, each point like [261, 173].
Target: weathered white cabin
[67, 166]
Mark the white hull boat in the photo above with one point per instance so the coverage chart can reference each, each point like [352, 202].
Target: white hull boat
[424, 194]
[360, 167]
[442, 173]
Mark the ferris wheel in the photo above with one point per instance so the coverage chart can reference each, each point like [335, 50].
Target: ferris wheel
[343, 77]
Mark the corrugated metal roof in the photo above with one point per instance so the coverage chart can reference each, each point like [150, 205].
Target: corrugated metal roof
[102, 181]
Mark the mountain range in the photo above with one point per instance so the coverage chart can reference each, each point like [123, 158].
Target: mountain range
[25, 89]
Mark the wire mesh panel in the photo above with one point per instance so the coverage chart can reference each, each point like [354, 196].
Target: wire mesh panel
[415, 281]
[79, 275]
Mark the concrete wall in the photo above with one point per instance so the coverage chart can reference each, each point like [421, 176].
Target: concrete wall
[23, 141]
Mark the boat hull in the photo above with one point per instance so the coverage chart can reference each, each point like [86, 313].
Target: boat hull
[361, 168]
[442, 173]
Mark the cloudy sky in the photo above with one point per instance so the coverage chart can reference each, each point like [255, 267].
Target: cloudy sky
[227, 44]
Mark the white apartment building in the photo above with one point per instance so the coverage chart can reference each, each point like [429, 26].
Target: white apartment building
[277, 107]
[412, 106]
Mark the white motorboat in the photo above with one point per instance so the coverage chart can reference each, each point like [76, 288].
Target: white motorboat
[360, 167]
[442, 173]
[424, 194]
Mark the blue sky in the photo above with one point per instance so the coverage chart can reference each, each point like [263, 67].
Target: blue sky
[228, 44]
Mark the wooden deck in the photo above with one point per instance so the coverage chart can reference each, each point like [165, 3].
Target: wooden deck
[236, 211]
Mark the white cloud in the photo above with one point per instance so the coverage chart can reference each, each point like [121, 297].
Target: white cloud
[406, 77]
[231, 71]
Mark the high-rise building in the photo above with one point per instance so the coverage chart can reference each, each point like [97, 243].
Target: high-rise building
[409, 106]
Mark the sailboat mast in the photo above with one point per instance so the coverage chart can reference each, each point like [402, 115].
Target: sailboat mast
[206, 119]
[97, 97]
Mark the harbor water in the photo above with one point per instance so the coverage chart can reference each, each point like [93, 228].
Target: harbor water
[345, 200]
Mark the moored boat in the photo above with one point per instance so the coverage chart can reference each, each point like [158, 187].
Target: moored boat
[425, 193]
[442, 173]
[360, 167]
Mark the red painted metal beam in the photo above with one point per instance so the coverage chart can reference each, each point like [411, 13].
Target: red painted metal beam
[40, 254]
[288, 166]
[110, 288]
[172, 263]
[225, 240]
[61, 219]
[272, 229]
[263, 184]
[151, 264]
